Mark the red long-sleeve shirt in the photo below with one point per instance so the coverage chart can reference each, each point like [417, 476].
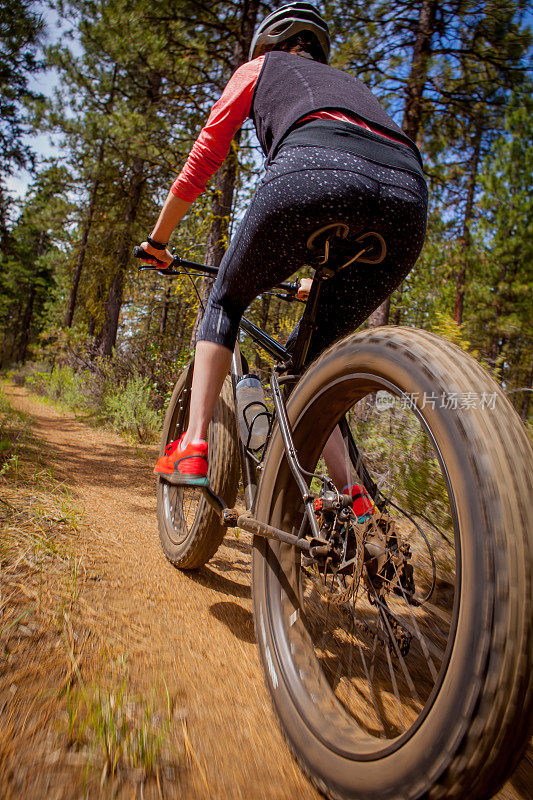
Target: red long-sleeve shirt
[226, 117]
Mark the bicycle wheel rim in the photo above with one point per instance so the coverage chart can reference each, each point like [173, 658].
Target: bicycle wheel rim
[332, 724]
[181, 506]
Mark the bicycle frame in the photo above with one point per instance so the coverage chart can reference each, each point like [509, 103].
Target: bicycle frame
[288, 368]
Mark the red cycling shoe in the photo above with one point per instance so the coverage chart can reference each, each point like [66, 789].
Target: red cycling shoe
[362, 502]
[184, 467]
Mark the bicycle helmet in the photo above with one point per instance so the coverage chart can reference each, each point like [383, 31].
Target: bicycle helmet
[285, 22]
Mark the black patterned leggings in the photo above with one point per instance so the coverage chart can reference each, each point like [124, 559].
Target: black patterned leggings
[303, 189]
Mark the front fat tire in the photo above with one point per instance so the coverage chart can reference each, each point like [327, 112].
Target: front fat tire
[205, 533]
[479, 724]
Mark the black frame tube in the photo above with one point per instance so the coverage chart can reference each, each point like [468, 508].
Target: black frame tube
[293, 361]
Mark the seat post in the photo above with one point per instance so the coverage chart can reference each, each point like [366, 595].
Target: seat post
[307, 323]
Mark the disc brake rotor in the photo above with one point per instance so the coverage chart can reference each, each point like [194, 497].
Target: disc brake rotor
[338, 582]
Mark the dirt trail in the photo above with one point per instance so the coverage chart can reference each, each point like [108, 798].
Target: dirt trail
[196, 629]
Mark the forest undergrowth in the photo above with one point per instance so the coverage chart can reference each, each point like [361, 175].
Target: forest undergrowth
[117, 393]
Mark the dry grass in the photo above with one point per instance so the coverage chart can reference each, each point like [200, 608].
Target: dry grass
[70, 723]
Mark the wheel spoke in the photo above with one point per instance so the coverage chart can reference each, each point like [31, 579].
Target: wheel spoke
[403, 665]
[401, 640]
[419, 636]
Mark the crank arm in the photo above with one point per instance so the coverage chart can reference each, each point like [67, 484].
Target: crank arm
[316, 547]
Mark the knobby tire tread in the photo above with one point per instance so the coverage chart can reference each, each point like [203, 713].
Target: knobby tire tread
[498, 451]
[207, 532]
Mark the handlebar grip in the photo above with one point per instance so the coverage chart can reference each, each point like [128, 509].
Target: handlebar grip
[138, 252]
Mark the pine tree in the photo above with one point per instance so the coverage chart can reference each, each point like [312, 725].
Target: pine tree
[440, 66]
[21, 30]
[29, 264]
[502, 325]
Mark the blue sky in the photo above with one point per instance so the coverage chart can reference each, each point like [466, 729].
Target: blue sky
[44, 82]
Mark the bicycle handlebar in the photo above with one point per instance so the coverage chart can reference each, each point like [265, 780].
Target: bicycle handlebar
[290, 288]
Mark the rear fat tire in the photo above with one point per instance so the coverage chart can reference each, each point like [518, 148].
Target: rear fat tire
[205, 531]
[479, 723]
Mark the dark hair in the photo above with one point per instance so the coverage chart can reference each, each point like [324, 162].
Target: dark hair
[303, 44]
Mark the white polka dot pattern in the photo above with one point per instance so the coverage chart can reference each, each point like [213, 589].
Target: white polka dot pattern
[303, 189]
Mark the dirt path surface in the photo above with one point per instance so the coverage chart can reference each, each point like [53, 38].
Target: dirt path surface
[195, 629]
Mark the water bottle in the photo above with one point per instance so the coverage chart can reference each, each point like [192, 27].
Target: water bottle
[252, 413]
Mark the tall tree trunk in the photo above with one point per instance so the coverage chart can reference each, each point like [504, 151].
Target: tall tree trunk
[78, 268]
[28, 312]
[427, 24]
[182, 327]
[381, 315]
[465, 240]
[80, 260]
[25, 326]
[108, 334]
[495, 345]
[225, 178]
[216, 238]
[412, 118]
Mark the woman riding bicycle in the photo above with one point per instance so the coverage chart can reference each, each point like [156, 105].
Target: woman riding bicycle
[333, 155]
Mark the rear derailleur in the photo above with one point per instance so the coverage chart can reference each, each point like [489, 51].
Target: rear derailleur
[387, 570]
[368, 548]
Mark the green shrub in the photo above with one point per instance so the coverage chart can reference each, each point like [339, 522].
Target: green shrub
[63, 385]
[130, 411]
[108, 391]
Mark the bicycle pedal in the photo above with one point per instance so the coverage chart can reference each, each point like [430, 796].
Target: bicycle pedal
[214, 500]
[176, 479]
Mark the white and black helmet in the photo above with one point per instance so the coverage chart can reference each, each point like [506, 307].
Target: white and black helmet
[285, 22]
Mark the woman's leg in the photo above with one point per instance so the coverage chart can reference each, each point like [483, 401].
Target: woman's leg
[337, 460]
[211, 365]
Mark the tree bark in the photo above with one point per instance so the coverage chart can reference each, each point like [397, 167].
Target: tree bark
[465, 239]
[25, 326]
[164, 312]
[80, 260]
[108, 334]
[216, 238]
[426, 27]
[225, 178]
[381, 315]
[78, 269]
[412, 118]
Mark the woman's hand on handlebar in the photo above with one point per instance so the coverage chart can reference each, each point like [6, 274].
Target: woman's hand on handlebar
[304, 288]
[161, 258]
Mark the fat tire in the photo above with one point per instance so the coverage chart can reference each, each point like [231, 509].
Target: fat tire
[206, 532]
[480, 723]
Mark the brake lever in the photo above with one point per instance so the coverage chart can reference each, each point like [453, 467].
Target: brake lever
[160, 270]
[290, 298]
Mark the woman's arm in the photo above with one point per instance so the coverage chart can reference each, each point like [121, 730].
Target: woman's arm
[172, 212]
[207, 154]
